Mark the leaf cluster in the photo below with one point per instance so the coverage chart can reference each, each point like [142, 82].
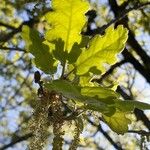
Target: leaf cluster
[81, 58]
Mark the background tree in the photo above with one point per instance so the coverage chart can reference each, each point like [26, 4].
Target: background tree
[132, 70]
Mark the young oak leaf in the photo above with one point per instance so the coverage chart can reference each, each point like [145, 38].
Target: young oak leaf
[118, 122]
[39, 49]
[102, 49]
[67, 20]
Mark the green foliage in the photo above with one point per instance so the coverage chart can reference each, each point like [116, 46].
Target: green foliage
[86, 57]
[42, 52]
[67, 21]
[104, 94]
[128, 105]
[74, 92]
[118, 122]
[102, 49]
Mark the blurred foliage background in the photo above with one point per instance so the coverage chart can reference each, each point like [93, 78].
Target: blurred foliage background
[132, 72]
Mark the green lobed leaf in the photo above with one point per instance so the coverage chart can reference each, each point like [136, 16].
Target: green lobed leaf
[102, 50]
[73, 55]
[118, 122]
[67, 20]
[35, 45]
[71, 91]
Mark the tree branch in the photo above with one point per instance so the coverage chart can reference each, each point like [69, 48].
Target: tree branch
[139, 67]
[5, 38]
[16, 140]
[100, 129]
[131, 38]
[7, 26]
[141, 132]
[109, 71]
[12, 49]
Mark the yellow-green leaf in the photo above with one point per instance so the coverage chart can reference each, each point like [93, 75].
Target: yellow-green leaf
[67, 21]
[86, 81]
[118, 122]
[103, 94]
[102, 50]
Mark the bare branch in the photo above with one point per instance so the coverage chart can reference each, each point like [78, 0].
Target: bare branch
[12, 49]
[16, 140]
[141, 132]
[137, 65]
[100, 129]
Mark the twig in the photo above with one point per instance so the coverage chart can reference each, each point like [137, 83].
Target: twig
[109, 71]
[69, 73]
[63, 70]
[141, 132]
[13, 49]
[105, 135]
[16, 140]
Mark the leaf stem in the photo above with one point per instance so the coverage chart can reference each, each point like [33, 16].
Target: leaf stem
[63, 70]
[69, 73]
